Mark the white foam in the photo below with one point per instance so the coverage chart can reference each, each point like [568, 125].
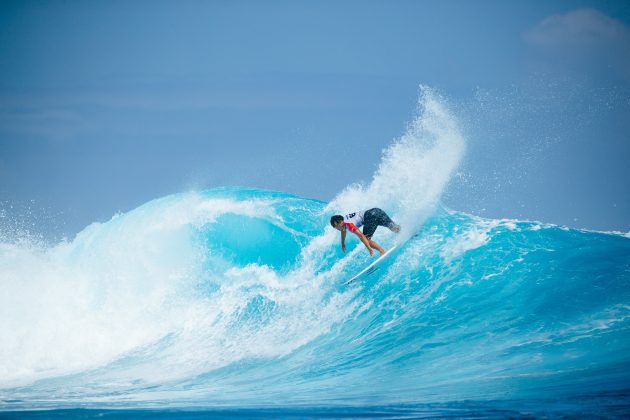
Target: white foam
[413, 171]
[135, 286]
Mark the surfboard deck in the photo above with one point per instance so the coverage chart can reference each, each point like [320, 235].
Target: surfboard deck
[372, 267]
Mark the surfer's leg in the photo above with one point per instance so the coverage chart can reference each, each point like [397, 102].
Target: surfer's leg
[394, 227]
[370, 223]
[376, 246]
[386, 221]
[382, 219]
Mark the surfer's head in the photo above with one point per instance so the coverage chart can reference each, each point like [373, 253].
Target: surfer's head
[336, 221]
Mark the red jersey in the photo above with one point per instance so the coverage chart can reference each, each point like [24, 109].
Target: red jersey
[353, 221]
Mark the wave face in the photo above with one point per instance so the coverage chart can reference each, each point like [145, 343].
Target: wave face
[235, 296]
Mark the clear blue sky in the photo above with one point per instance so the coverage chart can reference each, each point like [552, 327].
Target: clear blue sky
[105, 105]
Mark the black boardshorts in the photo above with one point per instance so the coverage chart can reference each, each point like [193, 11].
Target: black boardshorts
[374, 218]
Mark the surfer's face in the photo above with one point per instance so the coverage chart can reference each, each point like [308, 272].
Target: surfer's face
[339, 226]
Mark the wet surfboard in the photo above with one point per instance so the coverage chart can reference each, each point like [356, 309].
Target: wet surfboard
[373, 267]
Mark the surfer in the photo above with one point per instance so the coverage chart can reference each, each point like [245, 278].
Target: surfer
[370, 220]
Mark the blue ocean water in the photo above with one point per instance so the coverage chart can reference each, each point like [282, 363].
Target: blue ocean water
[232, 300]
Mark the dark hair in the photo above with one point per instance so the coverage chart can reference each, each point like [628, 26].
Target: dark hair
[335, 219]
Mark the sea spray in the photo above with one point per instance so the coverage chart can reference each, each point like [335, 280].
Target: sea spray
[414, 169]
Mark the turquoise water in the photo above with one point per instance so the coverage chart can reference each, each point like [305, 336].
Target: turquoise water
[235, 297]
[232, 300]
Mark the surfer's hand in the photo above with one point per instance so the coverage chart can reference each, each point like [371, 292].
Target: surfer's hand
[343, 248]
[371, 251]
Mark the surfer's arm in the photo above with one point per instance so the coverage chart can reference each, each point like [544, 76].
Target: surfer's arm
[365, 241]
[343, 240]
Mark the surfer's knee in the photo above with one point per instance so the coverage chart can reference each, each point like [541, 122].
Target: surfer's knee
[394, 227]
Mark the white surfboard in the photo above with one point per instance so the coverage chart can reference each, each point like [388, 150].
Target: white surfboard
[372, 267]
